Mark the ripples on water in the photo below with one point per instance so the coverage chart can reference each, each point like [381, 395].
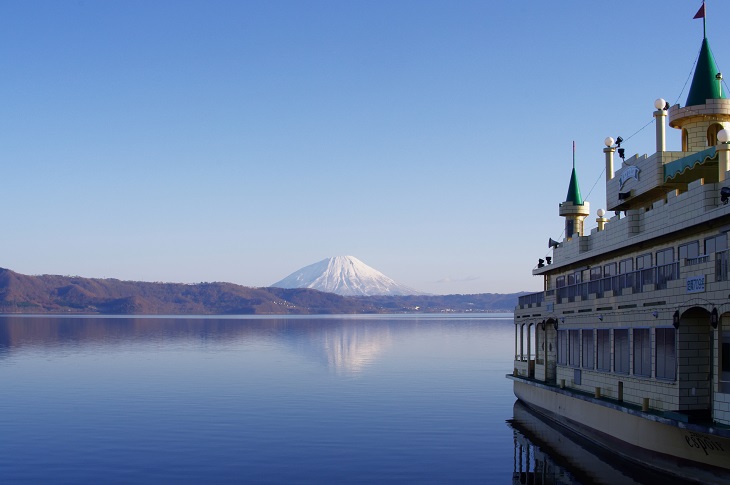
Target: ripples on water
[263, 400]
[295, 400]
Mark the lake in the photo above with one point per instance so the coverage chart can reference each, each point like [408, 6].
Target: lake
[325, 399]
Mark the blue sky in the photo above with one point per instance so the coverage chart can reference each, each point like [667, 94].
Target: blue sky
[190, 141]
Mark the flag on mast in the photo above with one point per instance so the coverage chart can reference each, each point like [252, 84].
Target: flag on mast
[701, 12]
[701, 15]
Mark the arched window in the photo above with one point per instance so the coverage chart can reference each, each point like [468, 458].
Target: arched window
[685, 140]
[712, 132]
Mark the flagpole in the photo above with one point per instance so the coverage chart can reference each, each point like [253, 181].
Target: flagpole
[573, 154]
[701, 13]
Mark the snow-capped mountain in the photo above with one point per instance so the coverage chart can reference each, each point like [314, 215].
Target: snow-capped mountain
[344, 275]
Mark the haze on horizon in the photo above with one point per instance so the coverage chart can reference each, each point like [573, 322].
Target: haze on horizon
[239, 141]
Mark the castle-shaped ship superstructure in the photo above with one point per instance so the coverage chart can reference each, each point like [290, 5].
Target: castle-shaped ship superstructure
[629, 343]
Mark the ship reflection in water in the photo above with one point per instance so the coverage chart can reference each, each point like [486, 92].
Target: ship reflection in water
[545, 453]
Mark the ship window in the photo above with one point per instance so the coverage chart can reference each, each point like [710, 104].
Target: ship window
[626, 266]
[715, 244]
[562, 347]
[621, 351]
[666, 354]
[603, 347]
[587, 336]
[574, 279]
[596, 273]
[642, 352]
[712, 132]
[665, 256]
[585, 275]
[560, 281]
[643, 261]
[689, 250]
[574, 346]
[610, 269]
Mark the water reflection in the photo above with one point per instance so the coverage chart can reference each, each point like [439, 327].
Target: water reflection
[545, 453]
[255, 400]
[344, 345]
[351, 348]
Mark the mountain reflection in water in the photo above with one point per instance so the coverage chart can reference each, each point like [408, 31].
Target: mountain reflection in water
[342, 344]
[318, 399]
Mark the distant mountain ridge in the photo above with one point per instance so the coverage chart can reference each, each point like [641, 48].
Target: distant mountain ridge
[346, 276]
[72, 294]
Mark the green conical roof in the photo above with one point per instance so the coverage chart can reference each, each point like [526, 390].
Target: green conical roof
[574, 190]
[704, 84]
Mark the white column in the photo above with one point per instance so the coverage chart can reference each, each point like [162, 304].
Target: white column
[723, 151]
[609, 162]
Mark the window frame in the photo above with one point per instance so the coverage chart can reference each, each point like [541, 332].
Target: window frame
[660, 257]
[562, 356]
[664, 360]
[587, 340]
[684, 248]
[641, 346]
[574, 341]
[603, 349]
[642, 259]
[621, 351]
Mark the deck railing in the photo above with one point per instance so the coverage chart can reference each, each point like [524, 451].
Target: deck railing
[698, 260]
[659, 276]
[531, 299]
[636, 280]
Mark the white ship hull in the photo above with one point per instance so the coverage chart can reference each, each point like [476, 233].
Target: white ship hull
[688, 450]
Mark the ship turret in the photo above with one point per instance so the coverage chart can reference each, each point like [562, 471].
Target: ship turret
[574, 209]
[707, 110]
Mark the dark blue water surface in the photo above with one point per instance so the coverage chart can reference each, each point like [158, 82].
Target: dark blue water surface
[268, 400]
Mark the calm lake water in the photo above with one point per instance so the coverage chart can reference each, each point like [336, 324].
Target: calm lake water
[386, 399]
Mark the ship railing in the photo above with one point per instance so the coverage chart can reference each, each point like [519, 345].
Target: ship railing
[628, 280]
[647, 276]
[698, 260]
[531, 299]
[635, 280]
[665, 273]
[721, 265]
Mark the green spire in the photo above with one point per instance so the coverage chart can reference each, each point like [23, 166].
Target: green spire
[704, 83]
[574, 189]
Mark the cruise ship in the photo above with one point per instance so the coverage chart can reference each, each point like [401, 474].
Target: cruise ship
[628, 344]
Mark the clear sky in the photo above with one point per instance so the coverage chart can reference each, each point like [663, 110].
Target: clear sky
[189, 141]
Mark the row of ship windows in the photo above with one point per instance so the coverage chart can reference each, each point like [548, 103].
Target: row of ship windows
[591, 349]
[663, 256]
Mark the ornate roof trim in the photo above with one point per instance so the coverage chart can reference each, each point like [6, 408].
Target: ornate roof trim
[678, 167]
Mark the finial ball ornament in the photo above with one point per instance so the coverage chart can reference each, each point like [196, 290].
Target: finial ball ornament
[609, 141]
[601, 212]
[660, 103]
[723, 136]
